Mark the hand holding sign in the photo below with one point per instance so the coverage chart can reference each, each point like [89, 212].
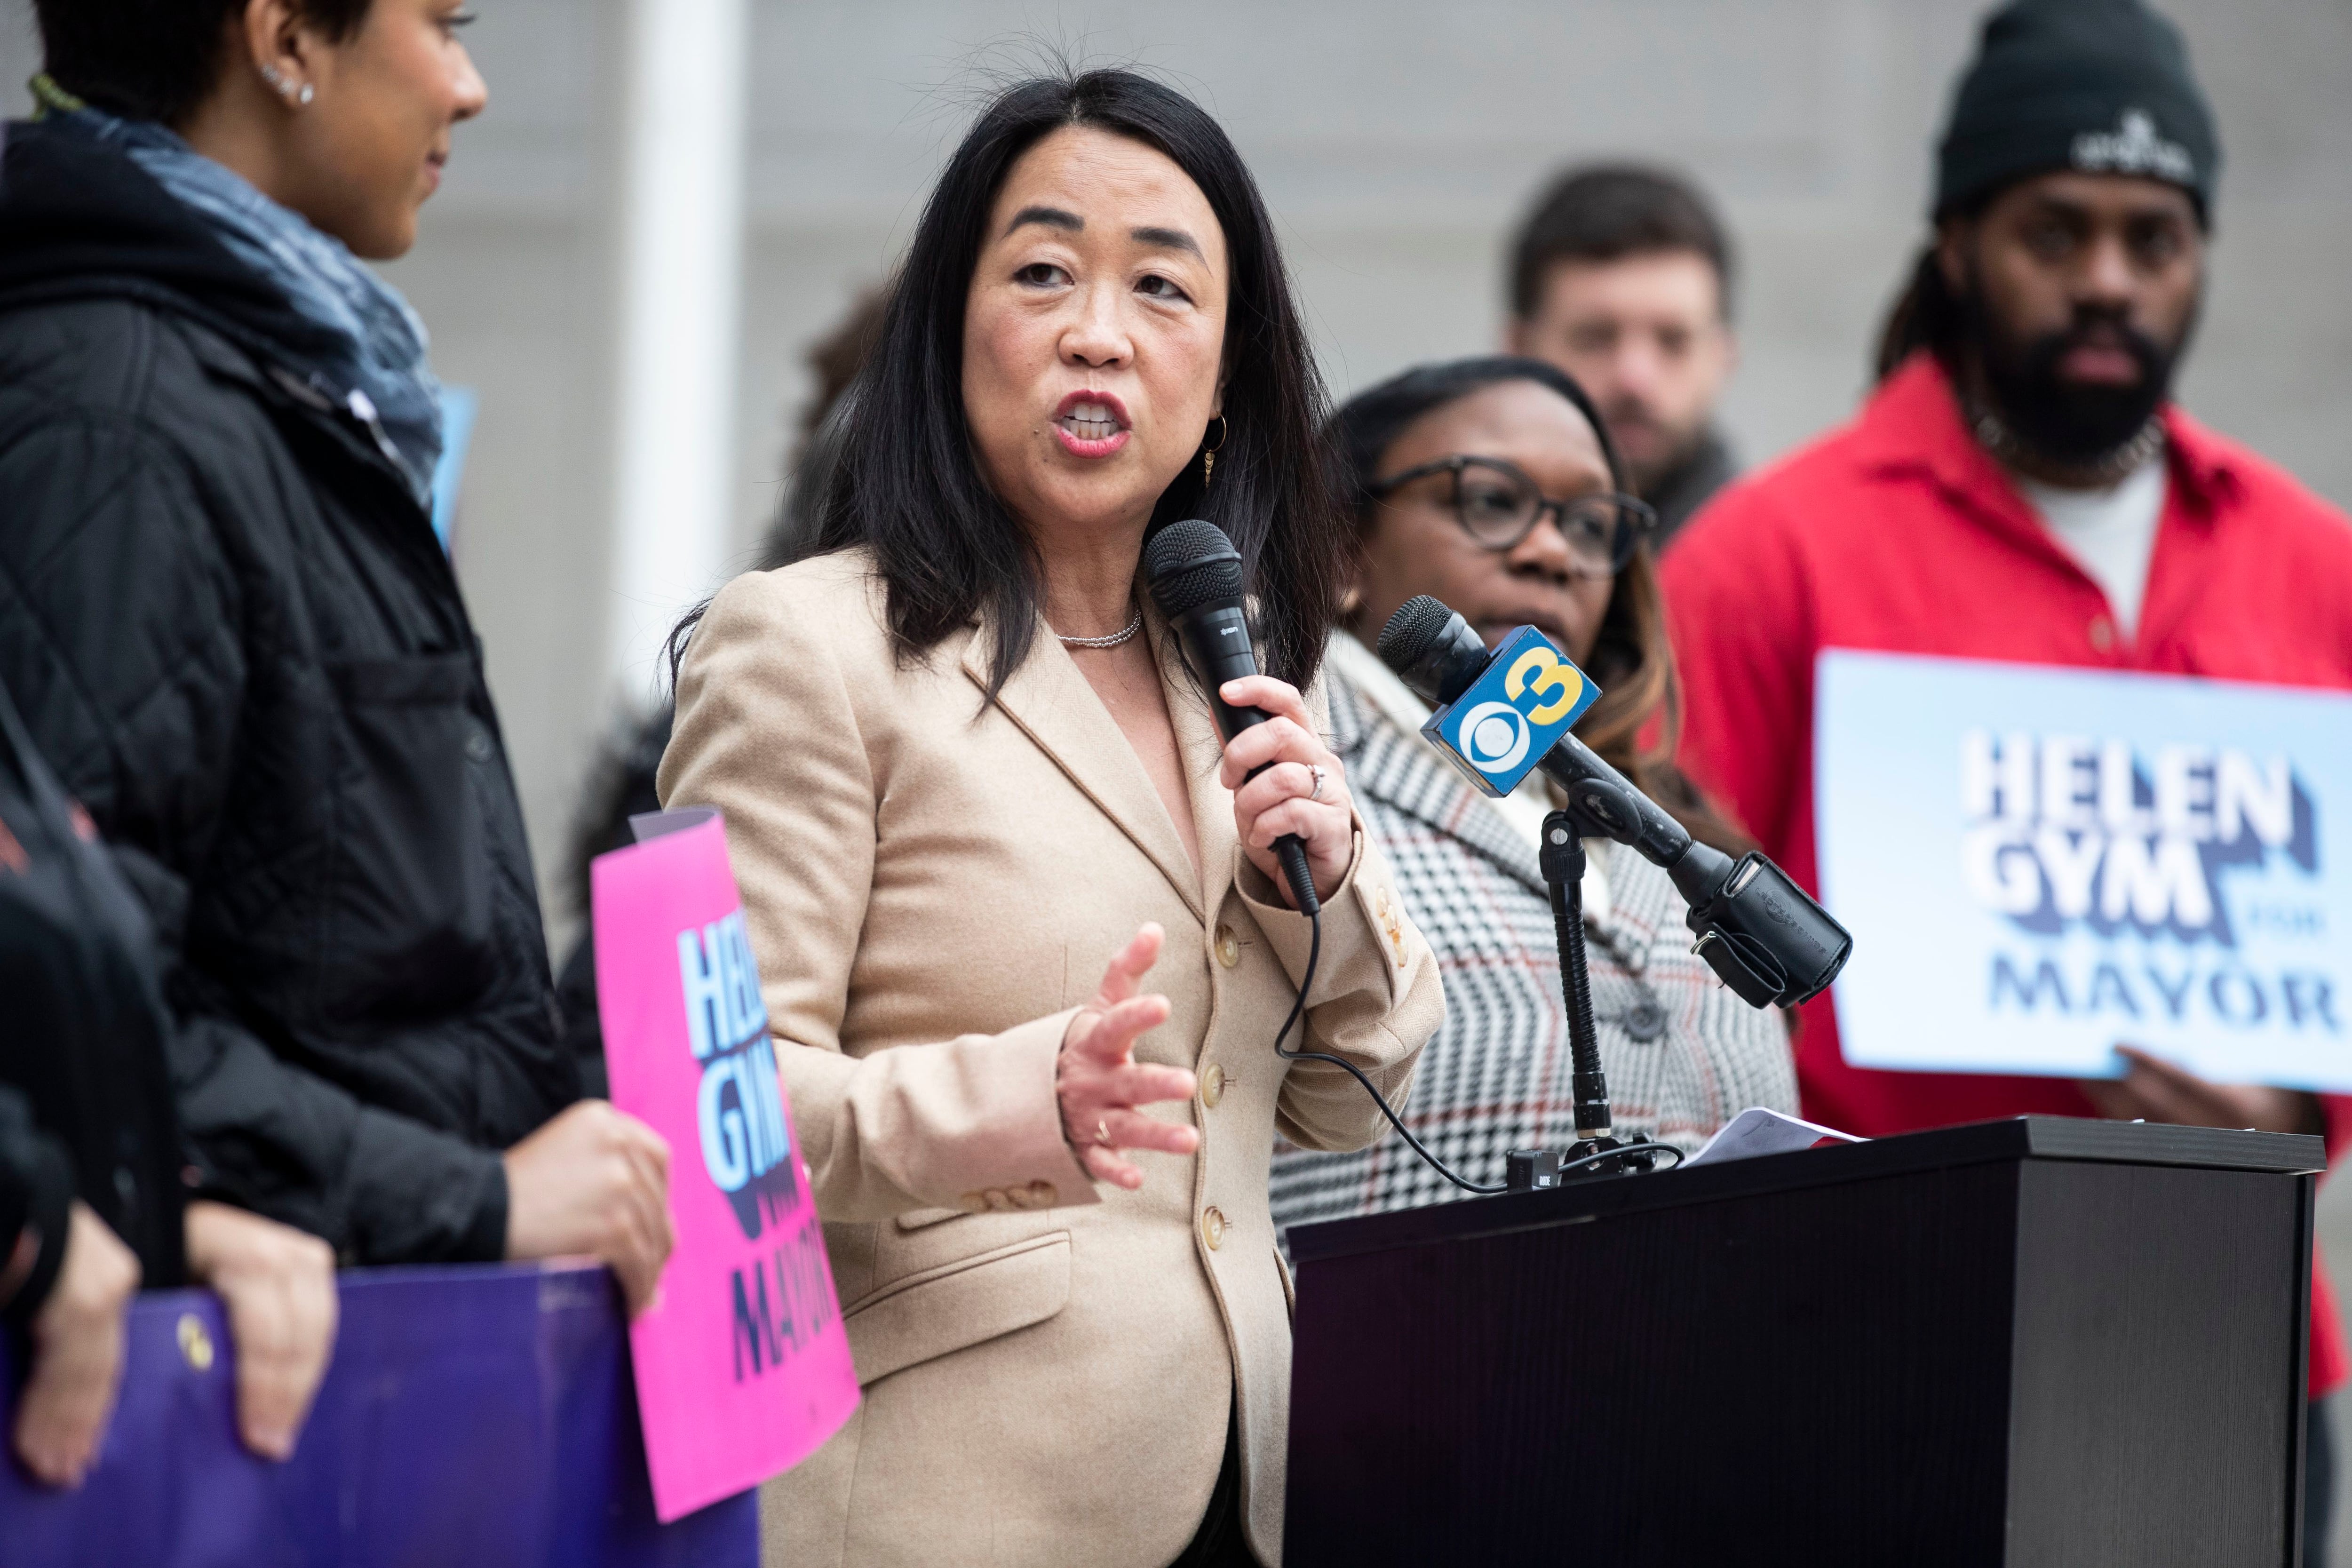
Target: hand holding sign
[278, 1286]
[2155, 1090]
[1100, 1083]
[594, 1181]
[77, 1344]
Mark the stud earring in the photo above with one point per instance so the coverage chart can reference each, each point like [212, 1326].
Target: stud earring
[284, 88]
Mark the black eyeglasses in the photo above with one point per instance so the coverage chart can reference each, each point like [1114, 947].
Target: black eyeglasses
[1498, 505]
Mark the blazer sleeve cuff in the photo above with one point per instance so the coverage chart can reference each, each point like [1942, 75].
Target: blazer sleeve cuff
[1029, 1164]
[971, 1123]
[1366, 942]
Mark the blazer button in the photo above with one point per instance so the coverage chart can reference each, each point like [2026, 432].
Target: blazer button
[1212, 1085]
[1212, 1227]
[1229, 947]
[1391, 923]
[478, 745]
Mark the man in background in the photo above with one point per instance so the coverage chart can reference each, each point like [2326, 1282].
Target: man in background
[1622, 276]
[2020, 486]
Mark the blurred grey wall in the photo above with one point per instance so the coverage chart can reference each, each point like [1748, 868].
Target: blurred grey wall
[1397, 144]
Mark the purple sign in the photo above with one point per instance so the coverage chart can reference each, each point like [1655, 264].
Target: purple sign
[472, 1416]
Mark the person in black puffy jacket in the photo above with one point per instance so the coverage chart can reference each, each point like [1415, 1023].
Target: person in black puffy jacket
[231, 628]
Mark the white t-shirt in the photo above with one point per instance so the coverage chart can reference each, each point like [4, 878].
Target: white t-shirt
[2111, 532]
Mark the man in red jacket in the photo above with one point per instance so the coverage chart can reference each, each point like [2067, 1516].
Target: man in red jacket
[2020, 486]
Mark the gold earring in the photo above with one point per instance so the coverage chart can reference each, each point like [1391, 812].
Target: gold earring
[1209, 453]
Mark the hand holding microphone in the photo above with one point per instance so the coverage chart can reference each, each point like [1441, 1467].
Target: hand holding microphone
[1287, 784]
[1290, 803]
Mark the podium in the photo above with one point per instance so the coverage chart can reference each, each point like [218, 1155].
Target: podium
[2040, 1341]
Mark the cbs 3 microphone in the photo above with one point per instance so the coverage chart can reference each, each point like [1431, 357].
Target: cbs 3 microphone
[1503, 714]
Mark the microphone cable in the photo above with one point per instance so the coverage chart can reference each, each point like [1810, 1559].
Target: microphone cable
[1297, 1011]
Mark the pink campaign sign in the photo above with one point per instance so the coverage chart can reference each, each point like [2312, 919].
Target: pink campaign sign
[743, 1368]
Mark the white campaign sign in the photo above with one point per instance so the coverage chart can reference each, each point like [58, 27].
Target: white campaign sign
[2041, 864]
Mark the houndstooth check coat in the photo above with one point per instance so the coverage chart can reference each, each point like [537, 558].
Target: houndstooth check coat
[1682, 1054]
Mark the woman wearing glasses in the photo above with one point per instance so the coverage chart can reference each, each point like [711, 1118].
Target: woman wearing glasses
[1489, 483]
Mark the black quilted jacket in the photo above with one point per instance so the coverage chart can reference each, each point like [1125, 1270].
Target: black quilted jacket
[232, 632]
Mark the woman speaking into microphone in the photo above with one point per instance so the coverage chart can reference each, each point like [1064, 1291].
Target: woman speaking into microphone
[1017, 907]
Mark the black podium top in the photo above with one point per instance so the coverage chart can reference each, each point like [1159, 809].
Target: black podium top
[2043, 1342]
[1976, 1144]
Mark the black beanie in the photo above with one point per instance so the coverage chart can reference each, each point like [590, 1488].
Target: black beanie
[2102, 86]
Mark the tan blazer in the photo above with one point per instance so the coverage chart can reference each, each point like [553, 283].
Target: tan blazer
[933, 889]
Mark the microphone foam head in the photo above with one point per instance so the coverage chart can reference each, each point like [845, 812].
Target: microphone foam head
[1433, 651]
[1191, 563]
[1412, 632]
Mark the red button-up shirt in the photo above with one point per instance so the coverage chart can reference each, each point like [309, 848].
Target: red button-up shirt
[1899, 532]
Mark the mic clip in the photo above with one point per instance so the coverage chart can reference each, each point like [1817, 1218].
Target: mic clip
[1769, 942]
[1538, 1169]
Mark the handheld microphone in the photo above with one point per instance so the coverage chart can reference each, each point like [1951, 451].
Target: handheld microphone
[1195, 575]
[1500, 716]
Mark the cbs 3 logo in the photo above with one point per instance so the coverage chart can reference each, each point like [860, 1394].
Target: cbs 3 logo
[1495, 736]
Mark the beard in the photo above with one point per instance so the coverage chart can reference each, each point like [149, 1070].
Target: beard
[1657, 451]
[2074, 424]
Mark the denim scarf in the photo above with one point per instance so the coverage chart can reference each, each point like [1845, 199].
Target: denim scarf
[375, 365]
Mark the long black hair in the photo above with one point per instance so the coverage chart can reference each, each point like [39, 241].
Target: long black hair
[1926, 315]
[1637, 723]
[903, 481]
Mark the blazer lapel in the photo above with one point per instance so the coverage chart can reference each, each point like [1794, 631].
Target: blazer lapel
[1399, 769]
[1049, 699]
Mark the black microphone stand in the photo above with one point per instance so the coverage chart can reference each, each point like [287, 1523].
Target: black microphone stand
[1562, 857]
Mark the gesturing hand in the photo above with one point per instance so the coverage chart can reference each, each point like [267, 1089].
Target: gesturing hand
[1100, 1083]
[593, 1181]
[278, 1285]
[77, 1342]
[1304, 792]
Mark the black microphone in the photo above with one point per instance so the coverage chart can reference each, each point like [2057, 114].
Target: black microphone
[1762, 933]
[1196, 580]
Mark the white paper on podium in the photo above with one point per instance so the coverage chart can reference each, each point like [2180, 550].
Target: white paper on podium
[1757, 1130]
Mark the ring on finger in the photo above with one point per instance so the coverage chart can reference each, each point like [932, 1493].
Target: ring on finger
[1102, 1131]
[1318, 773]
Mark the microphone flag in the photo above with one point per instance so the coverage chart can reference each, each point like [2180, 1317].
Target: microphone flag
[1515, 712]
